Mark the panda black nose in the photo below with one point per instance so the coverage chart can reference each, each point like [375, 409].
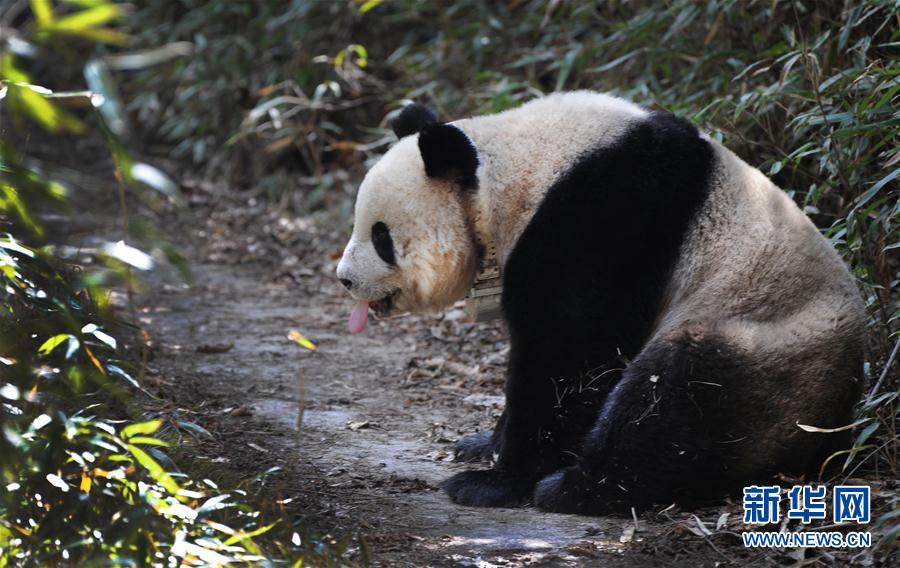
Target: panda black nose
[347, 283]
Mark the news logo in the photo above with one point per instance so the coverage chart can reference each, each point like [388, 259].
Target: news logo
[852, 503]
[807, 503]
[761, 504]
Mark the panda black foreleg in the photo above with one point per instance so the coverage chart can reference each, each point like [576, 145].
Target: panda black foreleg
[667, 432]
[547, 413]
[511, 481]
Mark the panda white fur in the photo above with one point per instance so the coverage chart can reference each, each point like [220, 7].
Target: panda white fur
[673, 315]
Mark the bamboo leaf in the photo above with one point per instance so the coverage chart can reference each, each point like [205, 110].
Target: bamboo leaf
[141, 428]
[89, 18]
[369, 5]
[806, 428]
[156, 472]
[48, 346]
[244, 536]
[148, 441]
[43, 12]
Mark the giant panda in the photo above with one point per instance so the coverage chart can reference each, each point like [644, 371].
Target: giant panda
[674, 318]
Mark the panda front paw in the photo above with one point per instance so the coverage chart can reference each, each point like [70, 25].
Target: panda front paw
[474, 447]
[488, 488]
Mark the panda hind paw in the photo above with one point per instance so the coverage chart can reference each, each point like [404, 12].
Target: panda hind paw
[563, 492]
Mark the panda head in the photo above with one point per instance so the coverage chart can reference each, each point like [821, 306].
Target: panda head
[412, 247]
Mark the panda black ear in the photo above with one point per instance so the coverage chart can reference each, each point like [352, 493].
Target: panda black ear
[412, 119]
[448, 153]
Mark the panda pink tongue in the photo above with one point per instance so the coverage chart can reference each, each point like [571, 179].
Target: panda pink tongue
[359, 316]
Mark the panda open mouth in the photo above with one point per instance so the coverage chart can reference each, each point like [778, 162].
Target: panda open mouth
[360, 313]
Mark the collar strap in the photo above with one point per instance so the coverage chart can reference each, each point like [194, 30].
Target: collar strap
[483, 300]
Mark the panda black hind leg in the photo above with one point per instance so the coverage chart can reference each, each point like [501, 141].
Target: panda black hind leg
[695, 416]
[664, 431]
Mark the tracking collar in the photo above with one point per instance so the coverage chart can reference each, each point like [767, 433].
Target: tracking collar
[483, 299]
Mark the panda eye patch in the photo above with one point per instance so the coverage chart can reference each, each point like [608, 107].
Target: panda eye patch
[383, 243]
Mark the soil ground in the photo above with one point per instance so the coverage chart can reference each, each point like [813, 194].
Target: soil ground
[361, 430]
[373, 443]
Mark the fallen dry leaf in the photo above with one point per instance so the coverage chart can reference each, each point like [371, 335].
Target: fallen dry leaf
[301, 340]
[353, 425]
[242, 410]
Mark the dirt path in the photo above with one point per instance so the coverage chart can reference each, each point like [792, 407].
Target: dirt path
[380, 410]
[376, 435]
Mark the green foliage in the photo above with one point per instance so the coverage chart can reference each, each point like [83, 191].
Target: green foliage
[83, 481]
[78, 483]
